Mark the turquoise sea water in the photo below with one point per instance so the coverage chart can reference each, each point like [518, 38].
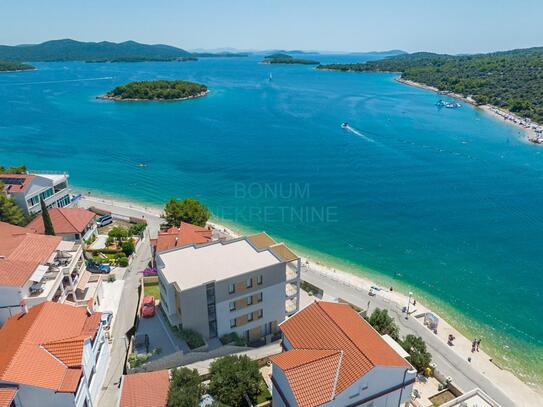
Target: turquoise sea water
[446, 203]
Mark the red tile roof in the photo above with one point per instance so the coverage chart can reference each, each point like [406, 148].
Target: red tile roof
[306, 369]
[331, 326]
[65, 220]
[7, 394]
[145, 389]
[40, 348]
[21, 252]
[19, 187]
[184, 235]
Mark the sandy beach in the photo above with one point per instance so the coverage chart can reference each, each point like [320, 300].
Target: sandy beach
[523, 394]
[504, 115]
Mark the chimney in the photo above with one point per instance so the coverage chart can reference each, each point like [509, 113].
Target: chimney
[24, 308]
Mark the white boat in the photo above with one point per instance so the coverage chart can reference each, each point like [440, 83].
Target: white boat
[344, 125]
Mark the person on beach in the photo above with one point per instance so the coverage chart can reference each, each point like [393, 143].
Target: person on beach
[473, 345]
[478, 343]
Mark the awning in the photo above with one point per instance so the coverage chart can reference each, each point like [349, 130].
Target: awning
[39, 273]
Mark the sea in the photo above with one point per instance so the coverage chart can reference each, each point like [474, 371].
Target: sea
[446, 203]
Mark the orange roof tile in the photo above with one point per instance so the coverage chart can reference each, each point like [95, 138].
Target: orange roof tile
[22, 252]
[7, 394]
[21, 185]
[148, 389]
[326, 325]
[39, 347]
[184, 235]
[65, 220]
[312, 374]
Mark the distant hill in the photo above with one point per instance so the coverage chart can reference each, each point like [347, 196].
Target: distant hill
[71, 50]
[281, 58]
[381, 54]
[511, 80]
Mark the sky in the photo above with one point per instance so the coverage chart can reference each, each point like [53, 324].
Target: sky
[447, 26]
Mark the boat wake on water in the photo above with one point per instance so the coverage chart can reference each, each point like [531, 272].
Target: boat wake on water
[356, 132]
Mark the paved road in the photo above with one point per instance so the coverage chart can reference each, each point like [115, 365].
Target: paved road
[447, 361]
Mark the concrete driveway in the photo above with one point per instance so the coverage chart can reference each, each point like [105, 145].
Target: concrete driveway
[161, 336]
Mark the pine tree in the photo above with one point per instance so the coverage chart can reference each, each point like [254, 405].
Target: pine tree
[9, 211]
[47, 224]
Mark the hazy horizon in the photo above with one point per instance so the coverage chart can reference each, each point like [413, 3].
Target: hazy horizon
[345, 26]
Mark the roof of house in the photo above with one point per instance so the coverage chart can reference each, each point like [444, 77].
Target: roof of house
[191, 266]
[148, 389]
[7, 394]
[44, 347]
[16, 182]
[183, 235]
[326, 326]
[21, 252]
[65, 220]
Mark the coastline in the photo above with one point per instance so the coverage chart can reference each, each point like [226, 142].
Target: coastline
[506, 116]
[502, 377]
[117, 99]
[20, 70]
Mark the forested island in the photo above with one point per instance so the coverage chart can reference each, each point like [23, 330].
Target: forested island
[143, 59]
[510, 80]
[287, 59]
[10, 66]
[156, 90]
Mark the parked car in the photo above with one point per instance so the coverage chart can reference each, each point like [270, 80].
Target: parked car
[104, 220]
[98, 268]
[148, 307]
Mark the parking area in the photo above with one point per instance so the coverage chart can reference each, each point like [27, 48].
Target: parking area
[160, 336]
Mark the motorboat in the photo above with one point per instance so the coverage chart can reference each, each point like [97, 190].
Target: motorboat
[344, 125]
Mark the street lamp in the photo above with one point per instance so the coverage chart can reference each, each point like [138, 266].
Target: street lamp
[408, 304]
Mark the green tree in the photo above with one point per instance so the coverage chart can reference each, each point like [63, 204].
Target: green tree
[419, 357]
[188, 210]
[185, 388]
[231, 377]
[384, 323]
[9, 211]
[47, 223]
[118, 233]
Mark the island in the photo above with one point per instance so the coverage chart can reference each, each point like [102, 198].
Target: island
[287, 59]
[141, 59]
[156, 90]
[11, 66]
[507, 84]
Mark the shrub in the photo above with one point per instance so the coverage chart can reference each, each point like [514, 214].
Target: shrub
[384, 323]
[111, 278]
[419, 357]
[123, 261]
[150, 271]
[128, 247]
[136, 360]
[193, 338]
[118, 233]
[185, 388]
[233, 338]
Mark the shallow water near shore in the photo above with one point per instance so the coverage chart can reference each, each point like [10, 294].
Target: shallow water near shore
[445, 203]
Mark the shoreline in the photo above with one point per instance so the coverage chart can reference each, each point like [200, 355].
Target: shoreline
[497, 113]
[117, 99]
[511, 384]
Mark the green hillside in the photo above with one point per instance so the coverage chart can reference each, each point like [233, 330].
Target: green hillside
[512, 80]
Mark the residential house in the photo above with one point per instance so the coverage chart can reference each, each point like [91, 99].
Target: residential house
[72, 224]
[180, 236]
[333, 357]
[246, 285]
[27, 189]
[473, 398]
[149, 389]
[54, 355]
[36, 268]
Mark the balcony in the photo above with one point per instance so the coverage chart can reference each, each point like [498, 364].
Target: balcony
[291, 307]
[48, 288]
[87, 287]
[291, 290]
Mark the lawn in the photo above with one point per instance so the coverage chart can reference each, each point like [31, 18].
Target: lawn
[264, 394]
[152, 289]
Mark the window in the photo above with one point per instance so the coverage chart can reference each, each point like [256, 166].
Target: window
[233, 323]
[46, 194]
[250, 317]
[231, 289]
[232, 306]
[249, 283]
[33, 201]
[259, 314]
[259, 297]
[259, 280]
[250, 300]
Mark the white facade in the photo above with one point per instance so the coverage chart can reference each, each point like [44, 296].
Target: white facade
[53, 188]
[58, 281]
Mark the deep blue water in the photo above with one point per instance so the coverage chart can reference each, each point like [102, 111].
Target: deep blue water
[445, 202]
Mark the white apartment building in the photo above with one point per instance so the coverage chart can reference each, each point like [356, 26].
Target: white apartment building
[37, 268]
[27, 189]
[246, 285]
